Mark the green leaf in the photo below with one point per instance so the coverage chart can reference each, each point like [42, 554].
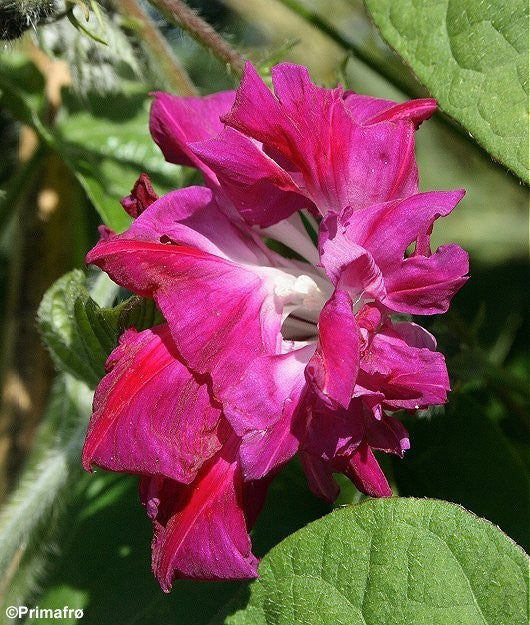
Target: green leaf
[80, 334]
[109, 533]
[473, 57]
[396, 561]
[77, 333]
[31, 517]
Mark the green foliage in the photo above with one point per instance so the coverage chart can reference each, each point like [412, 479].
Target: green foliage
[80, 334]
[31, 518]
[473, 57]
[480, 469]
[396, 561]
[108, 145]
[109, 533]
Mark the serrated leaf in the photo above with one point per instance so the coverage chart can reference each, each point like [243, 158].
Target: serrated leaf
[398, 561]
[473, 57]
[77, 334]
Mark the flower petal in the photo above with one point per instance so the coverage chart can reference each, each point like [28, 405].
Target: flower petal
[151, 414]
[200, 530]
[332, 371]
[367, 110]
[341, 163]
[176, 121]
[259, 188]
[409, 377]
[425, 285]
[386, 230]
[222, 316]
[364, 471]
[320, 477]
[192, 217]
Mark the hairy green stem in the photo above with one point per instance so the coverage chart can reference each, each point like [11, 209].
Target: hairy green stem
[180, 14]
[175, 75]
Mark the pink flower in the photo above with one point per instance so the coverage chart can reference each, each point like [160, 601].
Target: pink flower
[264, 355]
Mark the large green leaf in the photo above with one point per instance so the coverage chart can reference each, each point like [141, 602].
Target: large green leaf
[473, 57]
[396, 561]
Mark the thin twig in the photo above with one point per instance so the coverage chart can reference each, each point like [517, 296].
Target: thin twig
[180, 14]
[176, 76]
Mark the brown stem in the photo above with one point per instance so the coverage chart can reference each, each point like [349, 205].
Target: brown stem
[176, 76]
[179, 13]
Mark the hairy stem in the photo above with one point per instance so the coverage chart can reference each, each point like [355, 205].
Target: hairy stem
[175, 75]
[180, 14]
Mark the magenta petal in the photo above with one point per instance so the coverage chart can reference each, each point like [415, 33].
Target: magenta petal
[364, 471]
[151, 415]
[320, 477]
[141, 197]
[332, 371]
[341, 163]
[200, 530]
[192, 217]
[414, 335]
[259, 188]
[222, 316]
[348, 265]
[269, 385]
[388, 229]
[387, 434]
[266, 451]
[409, 377]
[262, 408]
[425, 285]
[176, 121]
[367, 110]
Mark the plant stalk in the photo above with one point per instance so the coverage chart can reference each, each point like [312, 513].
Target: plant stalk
[180, 14]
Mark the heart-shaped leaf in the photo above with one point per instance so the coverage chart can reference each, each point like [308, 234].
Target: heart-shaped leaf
[396, 561]
[473, 57]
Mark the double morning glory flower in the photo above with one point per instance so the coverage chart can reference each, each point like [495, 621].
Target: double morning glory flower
[264, 355]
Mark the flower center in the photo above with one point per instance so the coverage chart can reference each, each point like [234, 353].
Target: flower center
[303, 297]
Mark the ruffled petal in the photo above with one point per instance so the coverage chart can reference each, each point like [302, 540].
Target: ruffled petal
[341, 163]
[151, 414]
[177, 121]
[222, 316]
[332, 371]
[319, 476]
[141, 197]
[408, 376]
[262, 407]
[367, 110]
[387, 434]
[386, 230]
[192, 217]
[200, 530]
[267, 387]
[425, 285]
[349, 266]
[364, 471]
[259, 188]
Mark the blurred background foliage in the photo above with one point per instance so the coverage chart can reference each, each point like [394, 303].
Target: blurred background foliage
[74, 137]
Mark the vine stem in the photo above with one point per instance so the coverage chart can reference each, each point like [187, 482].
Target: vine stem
[180, 14]
[176, 76]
